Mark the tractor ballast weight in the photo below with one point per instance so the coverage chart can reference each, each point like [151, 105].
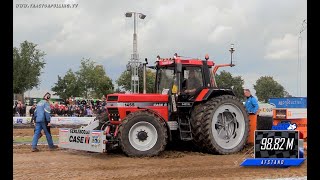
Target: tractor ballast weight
[142, 124]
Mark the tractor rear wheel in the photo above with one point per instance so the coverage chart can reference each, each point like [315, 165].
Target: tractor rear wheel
[142, 133]
[196, 122]
[225, 125]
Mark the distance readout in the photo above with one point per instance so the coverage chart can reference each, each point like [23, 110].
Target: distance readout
[276, 144]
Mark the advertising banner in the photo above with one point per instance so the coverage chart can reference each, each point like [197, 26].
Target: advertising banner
[292, 102]
[56, 120]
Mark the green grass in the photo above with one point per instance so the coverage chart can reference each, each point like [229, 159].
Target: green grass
[29, 139]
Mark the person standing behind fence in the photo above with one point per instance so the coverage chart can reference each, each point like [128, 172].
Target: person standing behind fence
[32, 109]
[23, 109]
[251, 104]
[42, 114]
[89, 111]
[17, 110]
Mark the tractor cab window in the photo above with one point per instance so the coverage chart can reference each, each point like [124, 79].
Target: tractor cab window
[165, 78]
[192, 79]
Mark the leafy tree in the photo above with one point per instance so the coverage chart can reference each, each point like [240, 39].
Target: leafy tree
[150, 81]
[89, 81]
[101, 83]
[286, 94]
[27, 65]
[266, 87]
[86, 76]
[117, 90]
[93, 79]
[124, 80]
[67, 86]
[227, 81]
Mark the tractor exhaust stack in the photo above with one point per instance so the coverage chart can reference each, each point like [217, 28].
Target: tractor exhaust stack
[144, 76]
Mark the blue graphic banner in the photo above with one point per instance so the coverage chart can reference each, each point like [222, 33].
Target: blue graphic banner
[274, 162]
[292, 102]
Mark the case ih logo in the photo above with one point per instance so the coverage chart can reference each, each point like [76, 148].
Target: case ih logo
[79, 139]
[87, 140]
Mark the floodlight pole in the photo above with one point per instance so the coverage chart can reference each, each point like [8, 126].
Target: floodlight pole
[134, 61]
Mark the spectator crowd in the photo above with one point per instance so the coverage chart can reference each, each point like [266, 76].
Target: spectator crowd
[70, 108]
[19, 109]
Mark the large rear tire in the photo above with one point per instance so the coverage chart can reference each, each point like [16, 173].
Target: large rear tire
[196, 122]
[142, 133]
[225, 125]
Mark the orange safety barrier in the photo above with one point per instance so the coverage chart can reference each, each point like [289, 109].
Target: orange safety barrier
[252, 128]
[297, 116]
[301, 124]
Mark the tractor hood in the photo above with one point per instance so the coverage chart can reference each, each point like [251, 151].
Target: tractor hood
[120, 105]
[137, 98]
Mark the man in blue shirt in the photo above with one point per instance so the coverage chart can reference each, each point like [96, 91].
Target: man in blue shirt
[251, 104]
[42, 114]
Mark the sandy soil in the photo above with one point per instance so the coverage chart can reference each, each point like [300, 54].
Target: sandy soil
[171, 164]
[29, 132]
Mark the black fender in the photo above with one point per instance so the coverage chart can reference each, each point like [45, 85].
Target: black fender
[207, 93]
[217, 92]
[203, 94]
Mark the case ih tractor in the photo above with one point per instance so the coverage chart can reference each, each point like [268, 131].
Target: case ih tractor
[187, 105]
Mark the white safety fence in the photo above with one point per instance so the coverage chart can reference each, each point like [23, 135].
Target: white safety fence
[265, 110]
[56, 120]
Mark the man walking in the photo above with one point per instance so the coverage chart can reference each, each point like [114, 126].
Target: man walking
[42, 114]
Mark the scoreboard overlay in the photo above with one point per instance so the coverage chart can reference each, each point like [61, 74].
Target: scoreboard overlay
[278, 148]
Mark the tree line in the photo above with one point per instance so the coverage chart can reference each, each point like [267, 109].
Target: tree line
[92, 81]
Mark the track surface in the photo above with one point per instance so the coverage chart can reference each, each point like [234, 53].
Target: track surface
[171, 164]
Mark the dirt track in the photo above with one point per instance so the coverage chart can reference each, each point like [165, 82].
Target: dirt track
[171, 164]
[29, 132]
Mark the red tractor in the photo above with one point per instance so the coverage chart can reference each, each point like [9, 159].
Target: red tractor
[187, 105]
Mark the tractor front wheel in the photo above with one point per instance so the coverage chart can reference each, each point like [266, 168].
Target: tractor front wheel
[142, 134]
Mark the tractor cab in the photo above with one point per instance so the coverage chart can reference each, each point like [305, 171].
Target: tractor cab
[185, 78]
[187, 82]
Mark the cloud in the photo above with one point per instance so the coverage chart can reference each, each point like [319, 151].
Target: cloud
[265, 34]
[283, 48]
[219, 33]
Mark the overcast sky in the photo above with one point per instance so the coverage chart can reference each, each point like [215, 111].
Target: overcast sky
[265, 34]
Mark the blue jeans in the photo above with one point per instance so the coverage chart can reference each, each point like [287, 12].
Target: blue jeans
[39, 127]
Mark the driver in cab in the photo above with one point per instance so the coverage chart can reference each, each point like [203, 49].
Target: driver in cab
[192, 83]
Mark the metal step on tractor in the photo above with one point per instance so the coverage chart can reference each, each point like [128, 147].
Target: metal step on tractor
[187, 105]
